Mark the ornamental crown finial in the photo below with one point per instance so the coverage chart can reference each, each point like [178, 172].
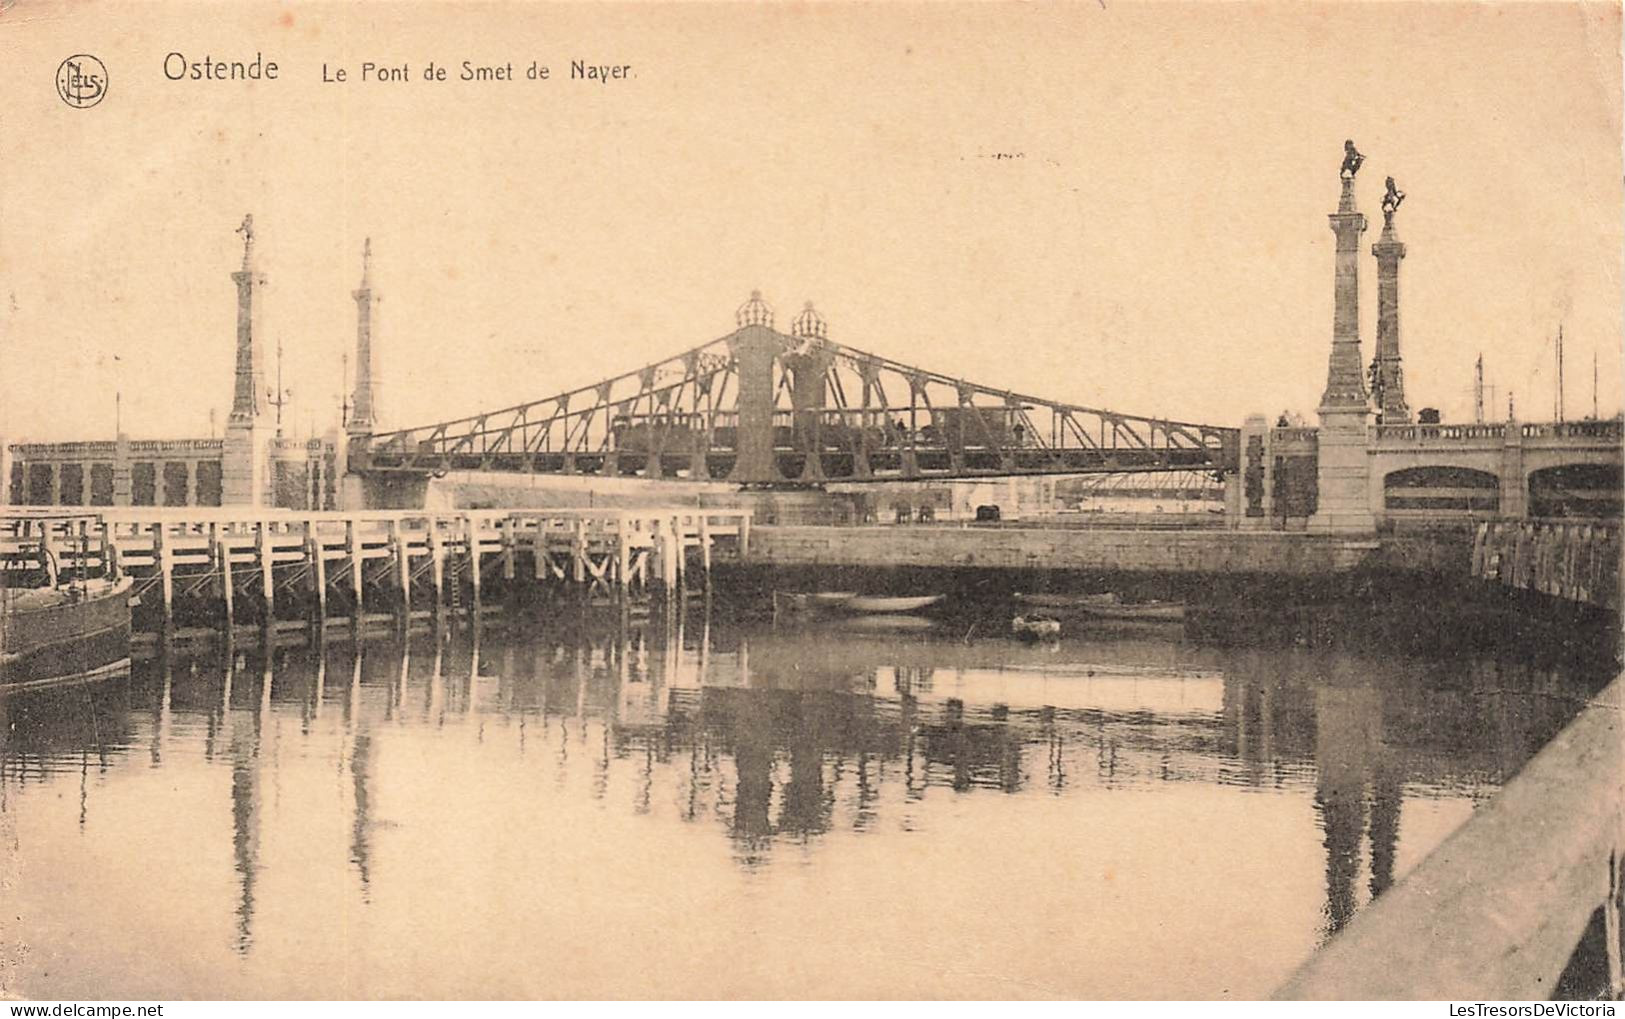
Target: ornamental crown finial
[754, 312]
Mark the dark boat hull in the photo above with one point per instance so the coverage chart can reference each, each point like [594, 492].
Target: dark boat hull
[65, 641]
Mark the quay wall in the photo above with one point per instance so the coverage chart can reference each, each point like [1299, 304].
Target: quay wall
[1152, 551]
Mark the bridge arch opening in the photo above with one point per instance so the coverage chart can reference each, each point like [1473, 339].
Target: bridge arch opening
[1441, 491]
[1577, 490]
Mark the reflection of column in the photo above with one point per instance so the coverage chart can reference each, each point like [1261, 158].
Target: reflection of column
[321, 681]
[436, 709]
[473, 668]
[868, 793]
[1348, 731]
[361, 824]
[1387, 794]
[245, 835]
[958, 748]
[217, 719]
[1009, 759]
[753, 763]
[907, 719]
[352, 703]
[160, 721]
[803, 808]
[263, 715]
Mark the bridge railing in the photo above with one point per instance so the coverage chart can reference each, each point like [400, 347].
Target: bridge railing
[1411, 433]
[71, 450]
[1496, 912]
[1611, 429]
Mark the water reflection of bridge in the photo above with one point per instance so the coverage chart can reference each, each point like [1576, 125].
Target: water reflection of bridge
[787, 736]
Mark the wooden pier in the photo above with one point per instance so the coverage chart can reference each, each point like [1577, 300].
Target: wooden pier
[265, 563]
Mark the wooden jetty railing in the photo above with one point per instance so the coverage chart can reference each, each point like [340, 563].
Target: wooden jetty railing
[270, 555]
[1496, 912]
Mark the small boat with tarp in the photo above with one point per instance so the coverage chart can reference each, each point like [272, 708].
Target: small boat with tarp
[1036, 627]
[60, 625]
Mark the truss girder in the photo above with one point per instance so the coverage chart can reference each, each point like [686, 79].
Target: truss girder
[681, 417]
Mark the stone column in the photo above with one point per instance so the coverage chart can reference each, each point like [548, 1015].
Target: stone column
[243, 454]
[1390, 374]
[1344, 472]
[364, 402]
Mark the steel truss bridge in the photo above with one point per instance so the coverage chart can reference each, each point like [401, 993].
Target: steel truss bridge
[759, 407]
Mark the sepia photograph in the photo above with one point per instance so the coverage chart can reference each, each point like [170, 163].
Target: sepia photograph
[518, 501]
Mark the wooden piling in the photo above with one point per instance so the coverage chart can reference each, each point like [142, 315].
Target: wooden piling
[228, 586]
[507, 549]
[623, 555]
[47, 554]
[267, 575]
[473, 539]
[166, 571]
[403, 570]
[352, 543]
[318, 568]
[705, 547]
[109, 551]
[437, 565]
[578, 552]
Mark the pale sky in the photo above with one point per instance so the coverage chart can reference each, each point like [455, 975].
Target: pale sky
[1159, 245]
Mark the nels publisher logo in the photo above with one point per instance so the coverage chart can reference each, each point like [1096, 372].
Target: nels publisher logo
[81, 81]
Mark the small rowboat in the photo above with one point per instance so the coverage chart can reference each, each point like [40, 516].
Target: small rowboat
[1036, 627]
[887, 623]
[807, 603]
[873, 604]
[1152, 611]
[1067, 601]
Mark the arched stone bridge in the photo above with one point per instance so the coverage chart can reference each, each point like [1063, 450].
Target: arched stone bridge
[1494, 470]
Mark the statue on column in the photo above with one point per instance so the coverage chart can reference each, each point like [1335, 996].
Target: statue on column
[1391, 202]
[247, 230]
[1351, 161]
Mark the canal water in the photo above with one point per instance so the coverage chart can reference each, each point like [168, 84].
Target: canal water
[586, 803]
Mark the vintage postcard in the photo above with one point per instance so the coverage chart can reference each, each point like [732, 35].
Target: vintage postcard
[1109, 501]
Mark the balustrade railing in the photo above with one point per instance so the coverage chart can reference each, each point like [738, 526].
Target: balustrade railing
[1455, 433]
[63, 449]
[177, 446]
[1575, 430]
